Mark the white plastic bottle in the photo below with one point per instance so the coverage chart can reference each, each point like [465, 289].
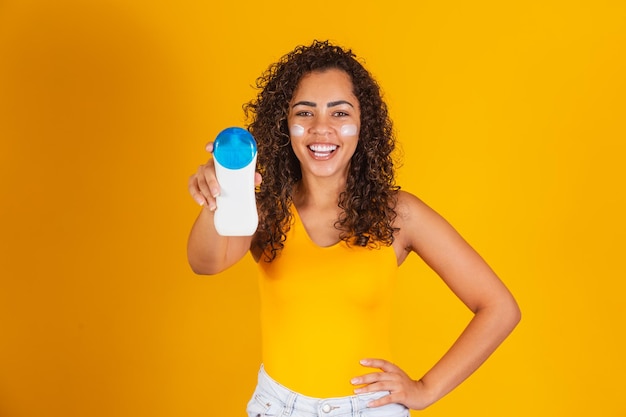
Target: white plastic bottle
[234, 153]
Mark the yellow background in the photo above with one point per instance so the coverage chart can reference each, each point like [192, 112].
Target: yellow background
[511, 117]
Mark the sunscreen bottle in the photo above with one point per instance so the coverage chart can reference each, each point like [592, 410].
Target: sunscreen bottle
[234, 154]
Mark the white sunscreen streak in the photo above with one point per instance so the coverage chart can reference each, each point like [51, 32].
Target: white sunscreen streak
[296, 130]
[348, 130]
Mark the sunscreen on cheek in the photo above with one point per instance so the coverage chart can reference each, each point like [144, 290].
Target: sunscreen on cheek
[348, 130]
[296, 130]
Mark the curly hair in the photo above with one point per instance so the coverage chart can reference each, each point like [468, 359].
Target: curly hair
[368, 202]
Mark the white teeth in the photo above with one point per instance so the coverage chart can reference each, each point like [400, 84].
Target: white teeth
[322, 148]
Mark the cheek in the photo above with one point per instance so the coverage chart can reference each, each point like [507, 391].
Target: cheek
[296, 130]
[348, 130]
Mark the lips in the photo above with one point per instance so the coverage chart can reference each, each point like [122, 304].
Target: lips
[322, 150]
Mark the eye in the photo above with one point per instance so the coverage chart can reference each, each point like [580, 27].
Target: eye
[303, 113]
[340, 113]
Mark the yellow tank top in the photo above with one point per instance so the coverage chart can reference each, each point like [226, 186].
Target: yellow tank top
[322, 310]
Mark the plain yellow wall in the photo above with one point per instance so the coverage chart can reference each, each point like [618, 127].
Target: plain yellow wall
[511, 117]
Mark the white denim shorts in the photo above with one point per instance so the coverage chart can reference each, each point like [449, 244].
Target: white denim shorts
[272, 399]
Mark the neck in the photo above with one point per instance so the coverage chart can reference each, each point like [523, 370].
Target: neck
[319, 192]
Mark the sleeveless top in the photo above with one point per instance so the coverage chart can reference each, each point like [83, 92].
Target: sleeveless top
[322, 310]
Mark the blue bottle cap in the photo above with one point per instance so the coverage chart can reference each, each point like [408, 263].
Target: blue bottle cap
[234, 148]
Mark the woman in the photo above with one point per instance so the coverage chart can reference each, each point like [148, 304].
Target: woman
[333, 230]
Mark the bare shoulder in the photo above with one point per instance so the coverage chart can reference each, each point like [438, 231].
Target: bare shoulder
[411, 211]
[418, 225]
[412, 215]
[408, 204]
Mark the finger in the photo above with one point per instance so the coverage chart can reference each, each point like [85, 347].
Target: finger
[204, 184]
[209, 147]
[207, 181]
[201, 194]
[387, 399]
[376, 387]
[195, 191]
[258, 179]
[380, 364]
[374, 377]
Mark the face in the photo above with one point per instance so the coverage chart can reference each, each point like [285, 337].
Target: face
[324, 123]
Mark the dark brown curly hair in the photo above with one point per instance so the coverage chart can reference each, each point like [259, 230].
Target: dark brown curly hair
[368, 202]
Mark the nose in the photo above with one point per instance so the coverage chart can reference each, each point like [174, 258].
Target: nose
[320, 127]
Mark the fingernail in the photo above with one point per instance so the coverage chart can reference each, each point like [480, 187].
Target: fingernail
[354, 381]
[358, 390]
[364, 361]
[199, 200]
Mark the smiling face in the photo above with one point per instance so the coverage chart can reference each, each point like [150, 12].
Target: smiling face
[324, 123]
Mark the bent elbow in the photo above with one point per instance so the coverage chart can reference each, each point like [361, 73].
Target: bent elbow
[505, 314]
[198, 270]
[511, 314]
[516, 314]
[203, 268]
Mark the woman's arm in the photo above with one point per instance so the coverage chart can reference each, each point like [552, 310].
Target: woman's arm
[496, 312]
[207, 252]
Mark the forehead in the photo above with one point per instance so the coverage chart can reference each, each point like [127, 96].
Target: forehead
[331, 81]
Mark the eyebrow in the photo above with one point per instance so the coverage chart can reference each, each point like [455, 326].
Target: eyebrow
[329, 104]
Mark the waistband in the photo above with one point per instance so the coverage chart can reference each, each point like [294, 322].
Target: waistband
[292, 403]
